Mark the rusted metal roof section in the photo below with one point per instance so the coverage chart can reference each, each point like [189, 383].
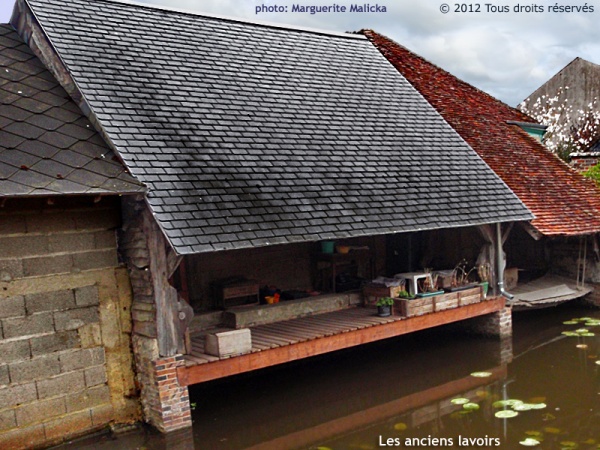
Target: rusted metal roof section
[250, 135]
[47, 146]
[563, 202]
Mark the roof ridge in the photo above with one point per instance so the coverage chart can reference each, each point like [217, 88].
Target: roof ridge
[459, 80]
[267, 24]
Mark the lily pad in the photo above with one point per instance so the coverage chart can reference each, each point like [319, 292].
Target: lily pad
[582, 330]
[534, 433]
[581, 346]
[506, 414]
[481, 374]
[471, 406]
[538, 405]
[523, 407]
[400, 426]
[569, 444]
[571, 322]
[459, 401]
[509, 402]
[529, 442]
[570, 333]
[552, 430]
[598, 362]
[588, 334]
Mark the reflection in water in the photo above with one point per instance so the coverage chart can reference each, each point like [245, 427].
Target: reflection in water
[402, 388]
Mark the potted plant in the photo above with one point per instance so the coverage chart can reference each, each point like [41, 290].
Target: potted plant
[461, 277]
[384, 306]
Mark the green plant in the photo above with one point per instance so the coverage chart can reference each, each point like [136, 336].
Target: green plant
[385, 301]
[461, 274]
[404, 294]
[593, 173]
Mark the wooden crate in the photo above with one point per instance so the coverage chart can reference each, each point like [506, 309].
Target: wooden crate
[372, 292]
[413, 307]
[470, 296]
[229, 343]
[446, 301]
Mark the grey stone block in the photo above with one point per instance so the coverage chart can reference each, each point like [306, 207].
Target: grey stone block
[71, 320]
[61, 384]
[20, 246]
[4, 378]
[98, 259]
[95, 376]
[50, 301]
[14, 351]
[87, 296]
[10, 269]
[71, 242]
[16, 395]
[40, 411]
[8, 420]
[89, 398]
[47, 265]
[50, 223]
[79, 359]
[16, 225]
[28, 325]
[99, 219]
[12, 306]
[105, 239]
[56, 342]
[34, 369]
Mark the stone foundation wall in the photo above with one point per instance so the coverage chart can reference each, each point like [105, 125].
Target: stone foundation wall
[65, 358]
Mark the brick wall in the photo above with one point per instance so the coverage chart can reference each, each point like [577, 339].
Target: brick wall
[498, 324]
[583, 163]
[65, 362]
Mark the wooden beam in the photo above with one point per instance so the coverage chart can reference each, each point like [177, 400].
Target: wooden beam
[254, 361]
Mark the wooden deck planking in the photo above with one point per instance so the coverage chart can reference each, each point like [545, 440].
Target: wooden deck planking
[295, 339]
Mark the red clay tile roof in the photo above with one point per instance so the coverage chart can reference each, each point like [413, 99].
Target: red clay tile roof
[564, 202]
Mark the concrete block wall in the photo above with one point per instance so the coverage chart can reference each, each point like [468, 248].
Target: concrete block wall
[65, 360]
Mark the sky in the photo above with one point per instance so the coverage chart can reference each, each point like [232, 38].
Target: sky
[506, 52]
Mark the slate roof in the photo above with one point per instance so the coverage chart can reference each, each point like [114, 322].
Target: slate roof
[47, 146]
[251, 135]
[564, 202]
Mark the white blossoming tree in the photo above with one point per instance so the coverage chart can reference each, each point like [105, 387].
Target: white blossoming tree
[569, 130]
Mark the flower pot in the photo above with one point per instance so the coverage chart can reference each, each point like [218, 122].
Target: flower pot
[486, 286]
[384, 310]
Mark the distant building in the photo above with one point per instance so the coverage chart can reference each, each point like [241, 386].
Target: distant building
[569, 104]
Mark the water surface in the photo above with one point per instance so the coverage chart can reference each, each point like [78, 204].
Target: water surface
[399, 392]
